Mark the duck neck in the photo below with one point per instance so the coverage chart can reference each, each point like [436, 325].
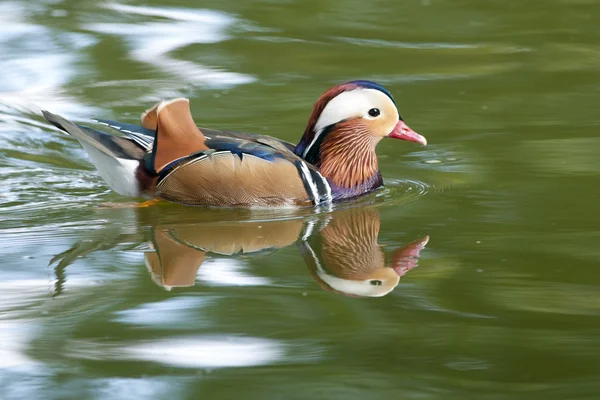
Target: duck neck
[347, 159]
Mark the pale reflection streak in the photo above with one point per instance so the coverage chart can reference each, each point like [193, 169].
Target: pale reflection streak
[229, 272]
[20, 300]
[152, 42]
[208, 352]
[28, 84]
[15, 335]
[186, 351]
[164, 314]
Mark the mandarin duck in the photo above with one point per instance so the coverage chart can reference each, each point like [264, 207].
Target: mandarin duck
[168, 157]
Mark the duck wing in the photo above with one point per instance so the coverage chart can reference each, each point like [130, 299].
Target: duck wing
[237, 173]
[145, 137]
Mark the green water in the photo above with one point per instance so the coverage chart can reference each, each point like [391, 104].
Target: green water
[99, 300]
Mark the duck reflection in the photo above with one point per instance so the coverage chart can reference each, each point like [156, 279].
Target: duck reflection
[341, 251]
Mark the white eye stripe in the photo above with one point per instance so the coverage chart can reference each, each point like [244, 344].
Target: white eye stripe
[351, 104]
[347, 105]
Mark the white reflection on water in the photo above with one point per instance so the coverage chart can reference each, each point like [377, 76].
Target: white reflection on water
[15, 336]
[19, 302]
[36, 63]
[136, 388]
[185, 351]
[152, 42]
[208, 352]
[40, 62]
[167, 313]
[228, 272]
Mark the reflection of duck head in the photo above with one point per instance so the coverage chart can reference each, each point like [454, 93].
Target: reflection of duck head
[347, 259]
[343, 257]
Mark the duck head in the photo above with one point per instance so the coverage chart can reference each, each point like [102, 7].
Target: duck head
[346, 124]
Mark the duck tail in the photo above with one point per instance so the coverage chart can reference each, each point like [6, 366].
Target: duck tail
[116, 158]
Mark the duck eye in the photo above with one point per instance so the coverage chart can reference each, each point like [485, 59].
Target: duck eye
[374, 112]
[376, 282]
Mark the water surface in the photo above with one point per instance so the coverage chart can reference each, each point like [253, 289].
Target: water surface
[474, 274]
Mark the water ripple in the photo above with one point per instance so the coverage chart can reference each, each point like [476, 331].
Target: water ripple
[27, 84]
[152, 42]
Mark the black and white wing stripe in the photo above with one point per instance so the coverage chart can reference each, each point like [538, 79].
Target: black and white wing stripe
[316, 185]
[323, 187]
[142, 136]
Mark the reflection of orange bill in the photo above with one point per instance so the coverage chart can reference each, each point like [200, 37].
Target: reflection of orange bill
[407, 257]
